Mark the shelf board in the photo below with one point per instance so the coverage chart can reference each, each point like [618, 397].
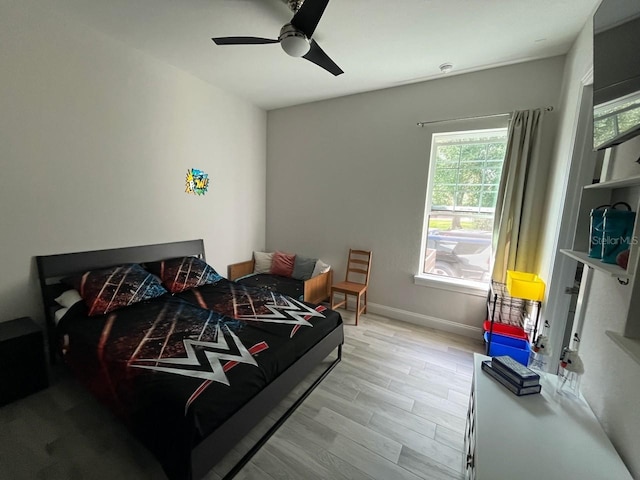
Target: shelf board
[629, 345]
[620, 183]
[609, 269]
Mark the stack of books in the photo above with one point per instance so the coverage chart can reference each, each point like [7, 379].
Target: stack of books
[513, 375]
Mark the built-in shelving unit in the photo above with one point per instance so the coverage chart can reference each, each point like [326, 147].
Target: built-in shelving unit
[629, 345]
[612, 270]
[619, 183]
[593, 196]
[603, 194]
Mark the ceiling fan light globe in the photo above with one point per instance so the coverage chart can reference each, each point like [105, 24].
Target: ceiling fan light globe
[295, 45]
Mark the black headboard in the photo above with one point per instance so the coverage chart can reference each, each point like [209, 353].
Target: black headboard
[52, 267]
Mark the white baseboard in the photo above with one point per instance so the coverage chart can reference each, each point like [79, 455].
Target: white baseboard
[425, 320]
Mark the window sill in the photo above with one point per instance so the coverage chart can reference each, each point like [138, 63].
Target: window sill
[479, 289]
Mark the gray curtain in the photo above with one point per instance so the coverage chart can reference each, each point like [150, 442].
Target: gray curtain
[520, 197]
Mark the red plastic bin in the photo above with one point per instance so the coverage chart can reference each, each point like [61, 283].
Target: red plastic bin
[506, 330]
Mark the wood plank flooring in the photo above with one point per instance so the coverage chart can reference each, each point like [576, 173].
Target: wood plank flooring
[394, 408]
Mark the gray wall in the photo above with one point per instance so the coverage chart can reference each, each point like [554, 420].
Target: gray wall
[96, 142]
[352, 172]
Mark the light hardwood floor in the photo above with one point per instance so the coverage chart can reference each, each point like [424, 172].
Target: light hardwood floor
[394, 408]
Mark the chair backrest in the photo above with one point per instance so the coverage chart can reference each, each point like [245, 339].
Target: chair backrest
[358, 266]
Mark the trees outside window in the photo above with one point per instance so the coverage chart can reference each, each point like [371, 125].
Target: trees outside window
[464, 176]
[615, 118]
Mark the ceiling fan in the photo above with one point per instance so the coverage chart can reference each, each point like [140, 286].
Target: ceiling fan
[295, 36]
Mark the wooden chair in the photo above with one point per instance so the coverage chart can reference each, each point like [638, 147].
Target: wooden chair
[358, 266]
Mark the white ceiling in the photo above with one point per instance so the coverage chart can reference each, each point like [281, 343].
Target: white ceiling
[378, 43]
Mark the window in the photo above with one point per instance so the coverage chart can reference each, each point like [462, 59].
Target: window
[464, 176]
[615, 118]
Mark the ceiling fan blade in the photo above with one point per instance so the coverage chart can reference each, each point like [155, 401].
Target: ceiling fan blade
[317, 56]
[307, 17]
[243, 40]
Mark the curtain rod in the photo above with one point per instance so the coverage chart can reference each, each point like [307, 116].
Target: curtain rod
[422, 124]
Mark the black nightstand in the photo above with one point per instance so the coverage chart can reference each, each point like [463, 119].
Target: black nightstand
[23, 369]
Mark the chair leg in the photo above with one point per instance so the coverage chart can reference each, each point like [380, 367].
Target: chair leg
[335, 304]
[365, 302]
[357, 309]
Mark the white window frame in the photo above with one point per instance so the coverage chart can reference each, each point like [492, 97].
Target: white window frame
[470, 287]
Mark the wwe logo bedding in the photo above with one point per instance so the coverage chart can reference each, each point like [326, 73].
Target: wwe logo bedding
[174, 365]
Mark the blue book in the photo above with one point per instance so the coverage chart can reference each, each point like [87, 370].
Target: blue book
[512, 387]
[515, 371]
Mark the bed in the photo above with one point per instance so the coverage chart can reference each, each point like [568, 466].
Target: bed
[190, 372]
[314, 290]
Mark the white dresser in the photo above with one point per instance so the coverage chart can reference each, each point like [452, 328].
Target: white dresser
[539, 437]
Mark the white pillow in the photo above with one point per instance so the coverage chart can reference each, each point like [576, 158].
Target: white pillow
[262, 262]
[320, 268]
[69, 298]
[59, 314]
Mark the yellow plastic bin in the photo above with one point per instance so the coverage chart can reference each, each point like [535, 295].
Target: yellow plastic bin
[525, 285]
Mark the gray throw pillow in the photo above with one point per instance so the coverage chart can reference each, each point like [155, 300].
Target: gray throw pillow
[262, 262]
[303, 267]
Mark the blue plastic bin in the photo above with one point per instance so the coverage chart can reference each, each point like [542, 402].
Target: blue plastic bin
[516, 348]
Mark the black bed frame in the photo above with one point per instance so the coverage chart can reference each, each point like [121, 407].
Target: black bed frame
[213, 448]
